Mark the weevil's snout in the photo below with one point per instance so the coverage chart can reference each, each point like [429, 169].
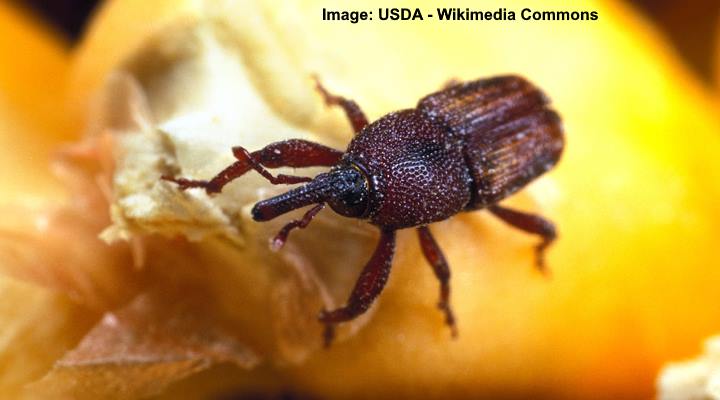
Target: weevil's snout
[345, 189]
[350, 192]
[316, 191]
[262, 213]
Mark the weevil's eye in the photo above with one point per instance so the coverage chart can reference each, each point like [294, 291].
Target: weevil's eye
[349, 192]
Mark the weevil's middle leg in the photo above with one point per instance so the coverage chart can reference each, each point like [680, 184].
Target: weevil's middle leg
[354, 113]
[530, 223]
[370, 283]
[437, 261]
[296, 153]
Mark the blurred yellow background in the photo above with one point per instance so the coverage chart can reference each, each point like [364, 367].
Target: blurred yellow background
[635, 273]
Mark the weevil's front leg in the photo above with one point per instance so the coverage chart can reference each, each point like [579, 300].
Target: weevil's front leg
[435, 257]
[370, 283]
[529, 223]
[295, 153]
[279, 240]
[352, 110]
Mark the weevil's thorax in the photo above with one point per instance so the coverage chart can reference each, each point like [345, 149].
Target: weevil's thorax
[415, 170]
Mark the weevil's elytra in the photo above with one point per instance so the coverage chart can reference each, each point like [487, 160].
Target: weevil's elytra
[463, 148]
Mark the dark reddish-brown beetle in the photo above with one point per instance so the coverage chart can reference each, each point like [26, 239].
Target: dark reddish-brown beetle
[463, 148]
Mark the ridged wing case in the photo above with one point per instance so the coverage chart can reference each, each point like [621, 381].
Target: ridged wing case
[509, 134]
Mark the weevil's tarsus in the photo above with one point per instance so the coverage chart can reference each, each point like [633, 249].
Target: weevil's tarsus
[440, 267]
[369, 285]
[279, 240]
[530, 223]
[295, 153]
[354, 113]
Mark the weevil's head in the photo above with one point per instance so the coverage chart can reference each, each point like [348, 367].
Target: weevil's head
[345, 188]
[351, 192]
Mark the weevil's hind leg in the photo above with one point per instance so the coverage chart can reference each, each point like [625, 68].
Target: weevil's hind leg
[530, 223]
[437, 261]
[279, 240]
[296, 153]
[357, 117]
[370, 283]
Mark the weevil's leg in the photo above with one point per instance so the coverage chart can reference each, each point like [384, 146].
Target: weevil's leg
[435, 257]
[368, 286]
[296, 153]
[245, 157]
[529, 223]
[357, 117]
[279, 240]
